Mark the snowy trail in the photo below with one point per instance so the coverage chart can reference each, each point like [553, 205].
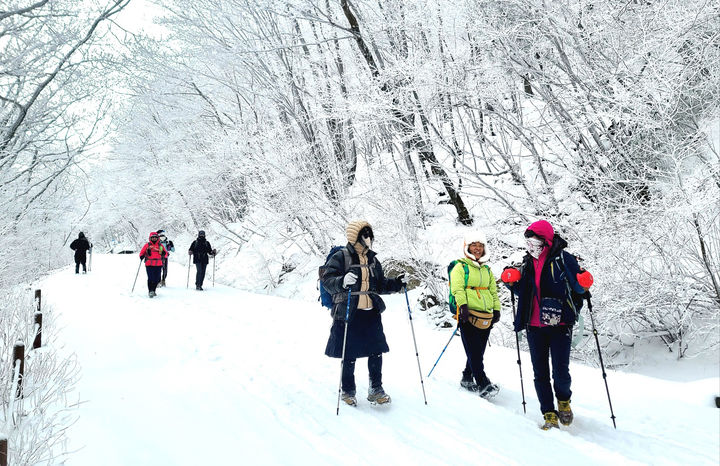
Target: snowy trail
[228, 377]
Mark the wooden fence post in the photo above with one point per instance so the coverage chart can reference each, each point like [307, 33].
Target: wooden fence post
[19, 354]
[37, 343]
[3, 450]
[38, 299]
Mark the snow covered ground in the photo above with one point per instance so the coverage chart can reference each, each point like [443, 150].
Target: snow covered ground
[228, 377]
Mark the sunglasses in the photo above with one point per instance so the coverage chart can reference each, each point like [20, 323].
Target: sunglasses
[153, 237]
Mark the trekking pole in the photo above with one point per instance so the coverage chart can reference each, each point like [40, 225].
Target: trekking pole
[517, 345]
[417, 356]
[136, 275]
[90, 262]
[602, 366]
[443, 351]
[342, 361]
[213, 270]
[187, 284]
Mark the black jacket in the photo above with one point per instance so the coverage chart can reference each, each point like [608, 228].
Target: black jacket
[80, 246]
[333, 282]
[201, 249]
[558, 265]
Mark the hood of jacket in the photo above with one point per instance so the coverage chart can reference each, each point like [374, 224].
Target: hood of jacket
[476, 237]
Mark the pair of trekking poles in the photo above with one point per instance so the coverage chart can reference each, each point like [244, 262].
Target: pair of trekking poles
[342, 361]
[517, 345]
[187, 284]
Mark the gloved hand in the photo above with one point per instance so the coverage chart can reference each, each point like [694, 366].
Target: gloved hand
[349, 280]
[190, 253]
[496, 317]
[402, 278]
[510, 275]
[213, 252]
[463, 313]
[585, 279]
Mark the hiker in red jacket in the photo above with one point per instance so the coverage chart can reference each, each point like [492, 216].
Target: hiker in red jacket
[153, 252]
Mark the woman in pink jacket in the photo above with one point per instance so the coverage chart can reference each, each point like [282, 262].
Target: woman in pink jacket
[153, 252]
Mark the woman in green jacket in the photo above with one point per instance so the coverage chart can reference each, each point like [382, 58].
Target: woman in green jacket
[473, 286]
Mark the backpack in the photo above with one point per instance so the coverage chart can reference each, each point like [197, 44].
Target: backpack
[451, 298]
[325, 297]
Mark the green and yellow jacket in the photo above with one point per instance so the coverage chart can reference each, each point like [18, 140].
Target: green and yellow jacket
[481, 291]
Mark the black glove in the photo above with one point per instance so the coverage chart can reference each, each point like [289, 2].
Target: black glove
[463, 314]
[213, 252]
[496, 317]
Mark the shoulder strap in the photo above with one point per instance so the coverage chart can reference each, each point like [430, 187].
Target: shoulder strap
[348, 259]
[467, 272]
[567, 284]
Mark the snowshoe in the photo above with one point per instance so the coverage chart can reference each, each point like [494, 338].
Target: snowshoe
[469, 384]
[377, 396]
[488, 391]
[565, 414]
[349, 399]
[551, 421]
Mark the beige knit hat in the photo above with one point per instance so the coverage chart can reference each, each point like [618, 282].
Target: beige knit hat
[353, 229]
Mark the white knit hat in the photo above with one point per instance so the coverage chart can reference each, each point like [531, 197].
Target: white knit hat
[476, 236]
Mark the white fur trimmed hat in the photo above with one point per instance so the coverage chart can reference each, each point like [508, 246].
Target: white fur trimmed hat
[476, 236]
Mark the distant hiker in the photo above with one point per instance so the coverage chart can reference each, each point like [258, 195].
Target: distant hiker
[169, 247]
[363, 275]
[153, 252]
[80, 245]
[474, 289]
[200, 249]
[547, 311]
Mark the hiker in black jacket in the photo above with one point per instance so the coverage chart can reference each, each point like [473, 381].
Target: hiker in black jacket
[200, 249]
[80, 246]
[365, 280]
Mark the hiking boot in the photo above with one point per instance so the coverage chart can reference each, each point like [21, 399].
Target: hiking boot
[468, 384]
[199, 288]
[162, 282]
[152, 294]
[377, 396]
[565, 414]
[551, 420]
[349, 398]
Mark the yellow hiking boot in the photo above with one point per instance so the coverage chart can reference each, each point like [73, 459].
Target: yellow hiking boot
[551, 420]
[565, 414]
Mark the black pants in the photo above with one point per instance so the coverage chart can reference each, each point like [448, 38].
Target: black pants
[374, 369]
[153, 274]
[77, 265]
[550, 343]
[475, 341]
[200, 275]
[164, 268]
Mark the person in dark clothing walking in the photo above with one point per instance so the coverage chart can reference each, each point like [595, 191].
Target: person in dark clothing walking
[81, 245]
[547, 312]
[363, 275]
[153, 252]
[169, 247]
[200, 249]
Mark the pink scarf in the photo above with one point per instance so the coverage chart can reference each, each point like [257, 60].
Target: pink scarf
[546, 231]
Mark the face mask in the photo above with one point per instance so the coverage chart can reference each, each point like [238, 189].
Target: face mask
[535, 246]
[368, 241]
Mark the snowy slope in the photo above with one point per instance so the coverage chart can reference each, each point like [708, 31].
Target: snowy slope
[227, 377]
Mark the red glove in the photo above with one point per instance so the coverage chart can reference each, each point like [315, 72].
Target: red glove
[510, 275]
[585, 279]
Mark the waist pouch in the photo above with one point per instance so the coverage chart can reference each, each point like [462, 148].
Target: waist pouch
[550, 311]
[480, 319]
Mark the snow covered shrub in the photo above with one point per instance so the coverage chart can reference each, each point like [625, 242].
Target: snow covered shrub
[35, 424]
